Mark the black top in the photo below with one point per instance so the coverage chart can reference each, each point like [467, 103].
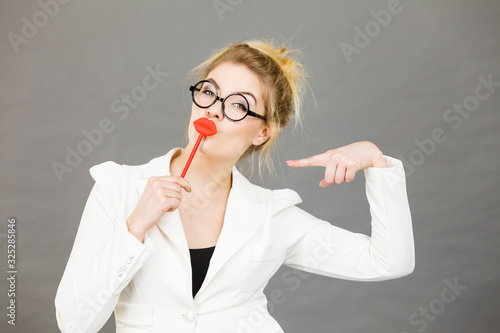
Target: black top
[200, 258]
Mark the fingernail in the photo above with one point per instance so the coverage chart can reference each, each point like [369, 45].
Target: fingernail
[189, 189]
[289, 161]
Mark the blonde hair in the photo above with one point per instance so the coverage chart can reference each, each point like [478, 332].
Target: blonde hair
[282, 77]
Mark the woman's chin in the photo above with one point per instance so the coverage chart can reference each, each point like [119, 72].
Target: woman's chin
[205, 148]
[210, 150]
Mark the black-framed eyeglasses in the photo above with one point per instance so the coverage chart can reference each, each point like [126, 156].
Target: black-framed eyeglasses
[235, 107]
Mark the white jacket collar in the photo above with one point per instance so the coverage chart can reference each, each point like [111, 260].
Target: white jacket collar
[160, 166]
[248, 207]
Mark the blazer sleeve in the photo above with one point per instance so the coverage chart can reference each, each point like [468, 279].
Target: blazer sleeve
[318, 247]
[104, 258]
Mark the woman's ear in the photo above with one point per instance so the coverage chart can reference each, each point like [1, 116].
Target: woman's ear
[262, 137]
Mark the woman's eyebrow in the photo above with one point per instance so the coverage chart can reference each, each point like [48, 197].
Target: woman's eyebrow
[248, 93]
[239, 92]
[214, 82]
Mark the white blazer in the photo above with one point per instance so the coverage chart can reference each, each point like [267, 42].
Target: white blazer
[148, 285]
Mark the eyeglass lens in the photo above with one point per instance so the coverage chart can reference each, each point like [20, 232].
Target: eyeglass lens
[235, 105]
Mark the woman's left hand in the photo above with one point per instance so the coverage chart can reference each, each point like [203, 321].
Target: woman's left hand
[342, 163]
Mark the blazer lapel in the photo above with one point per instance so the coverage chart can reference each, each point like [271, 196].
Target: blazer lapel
[245, 214]
[242, 220]
[170, 224]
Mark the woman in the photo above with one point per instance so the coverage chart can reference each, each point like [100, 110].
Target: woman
[193, 254]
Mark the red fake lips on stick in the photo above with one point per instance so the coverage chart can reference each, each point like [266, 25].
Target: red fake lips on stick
[206, 128]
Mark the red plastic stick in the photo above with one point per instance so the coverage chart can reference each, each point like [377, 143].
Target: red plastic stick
[206, 128]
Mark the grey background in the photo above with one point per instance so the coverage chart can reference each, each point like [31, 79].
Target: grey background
[394, 91]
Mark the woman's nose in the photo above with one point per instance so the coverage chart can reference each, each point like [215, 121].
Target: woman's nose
[215, 110]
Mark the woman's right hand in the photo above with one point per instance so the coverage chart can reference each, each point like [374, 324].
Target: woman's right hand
[161, 195]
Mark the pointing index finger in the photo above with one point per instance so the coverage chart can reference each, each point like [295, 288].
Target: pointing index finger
[316, 160]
